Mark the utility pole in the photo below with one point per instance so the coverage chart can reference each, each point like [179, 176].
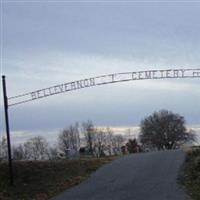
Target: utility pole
[7, 130]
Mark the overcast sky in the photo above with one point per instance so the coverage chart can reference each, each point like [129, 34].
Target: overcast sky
[48, 43]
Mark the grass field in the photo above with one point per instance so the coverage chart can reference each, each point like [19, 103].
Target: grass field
[192, 173]
[40, 180]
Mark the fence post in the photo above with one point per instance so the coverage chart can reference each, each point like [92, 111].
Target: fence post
[7, 130]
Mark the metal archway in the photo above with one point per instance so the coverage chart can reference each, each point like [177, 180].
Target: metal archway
[102, 80]
[84, 83]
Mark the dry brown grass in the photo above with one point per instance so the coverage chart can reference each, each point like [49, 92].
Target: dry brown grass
[192, 173]
[40, 180]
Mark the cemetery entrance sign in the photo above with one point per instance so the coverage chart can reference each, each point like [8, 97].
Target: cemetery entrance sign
[84, 83]
[102, 80]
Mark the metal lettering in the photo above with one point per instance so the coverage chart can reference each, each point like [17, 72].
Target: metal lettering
[112, 75]
[61, 88]
[148, 74]
[80, 84]
[56, 89]
[140, 75]
[183, 72]
[39, 95]
[133, 73]
[162, 73]
[105, 79]
[196, 74]
[86, 83]
[66, 87]
[154, 74]
[44, 93]
[168, 73]
[176, 73]
[50, 92]
[33, 95]
[92, 81]
[73, 86]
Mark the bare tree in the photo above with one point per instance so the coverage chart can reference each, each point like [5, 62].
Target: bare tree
[19, 152]
[164, 130]
[3, 149]
[31, 151]
[89, 132]
[118, 141]
[109, 140]
[53, 153]
[99, 142]
[36, 148]
[69, 138]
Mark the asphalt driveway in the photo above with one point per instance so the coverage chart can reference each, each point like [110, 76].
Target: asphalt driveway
[144, 176]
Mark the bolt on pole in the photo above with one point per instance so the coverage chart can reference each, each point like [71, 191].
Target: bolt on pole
[7, 129]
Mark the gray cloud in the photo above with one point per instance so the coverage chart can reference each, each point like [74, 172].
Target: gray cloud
[45, 44]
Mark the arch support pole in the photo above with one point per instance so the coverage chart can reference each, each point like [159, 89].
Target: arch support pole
[7, 130]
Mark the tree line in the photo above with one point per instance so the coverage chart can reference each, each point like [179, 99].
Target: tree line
[75, 140]
[159, 131]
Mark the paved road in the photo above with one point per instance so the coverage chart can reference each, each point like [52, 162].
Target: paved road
[148, 176]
